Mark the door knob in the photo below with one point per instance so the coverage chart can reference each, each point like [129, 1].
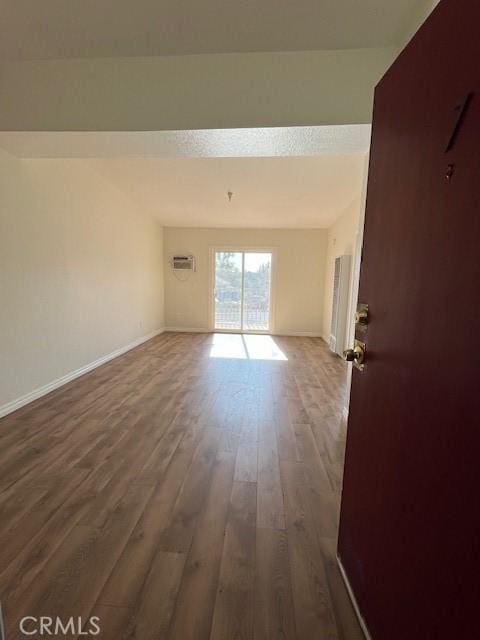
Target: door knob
[356, 355]
[350, 355]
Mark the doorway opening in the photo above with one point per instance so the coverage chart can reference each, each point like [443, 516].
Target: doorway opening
[242, 291]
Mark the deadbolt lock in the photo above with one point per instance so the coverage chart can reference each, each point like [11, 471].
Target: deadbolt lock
[361, 316]
[356, 355]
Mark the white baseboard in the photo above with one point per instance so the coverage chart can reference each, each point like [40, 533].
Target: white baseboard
[187, 330]
[348, 586]
[13, 405]
[300, 334]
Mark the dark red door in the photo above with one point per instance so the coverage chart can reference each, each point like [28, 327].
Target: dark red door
[409, 534]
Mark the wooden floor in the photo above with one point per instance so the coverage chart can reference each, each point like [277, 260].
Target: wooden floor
[186, 490]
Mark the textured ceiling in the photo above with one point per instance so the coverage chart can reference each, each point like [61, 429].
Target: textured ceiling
[37, 29]
[207, 143]
[308, 192]
[280, 177]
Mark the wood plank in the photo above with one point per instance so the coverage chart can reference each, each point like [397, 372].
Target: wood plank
[179, 533]
[157, 602]
[274, 613]
[76, 574]
[311, 597]
[286, 440]
[149, 618]
[193, 615]
[270, 508]
[16, 539]
[246, 464]
[234, 605]
[310, 455]
[126, 580]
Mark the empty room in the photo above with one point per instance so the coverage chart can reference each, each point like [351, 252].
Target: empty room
[238, 265]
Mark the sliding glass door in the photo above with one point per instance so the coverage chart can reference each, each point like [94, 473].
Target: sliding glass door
[242, 290]
[228, 290]
[257, 269]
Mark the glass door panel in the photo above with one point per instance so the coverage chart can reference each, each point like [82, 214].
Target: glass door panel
[228, 290]
[256, 291]
[242, 290]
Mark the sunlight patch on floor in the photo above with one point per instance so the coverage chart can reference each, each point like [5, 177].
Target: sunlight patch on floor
[245, 347]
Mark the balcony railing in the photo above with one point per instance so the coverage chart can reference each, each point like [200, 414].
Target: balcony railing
[228, 316]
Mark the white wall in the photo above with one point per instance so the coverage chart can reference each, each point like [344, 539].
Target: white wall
[342, 240]
[80, 272]
[192, 92]
[299, 275]
[421, 11]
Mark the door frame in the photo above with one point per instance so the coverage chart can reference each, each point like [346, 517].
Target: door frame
[355, 279]
[211, 286]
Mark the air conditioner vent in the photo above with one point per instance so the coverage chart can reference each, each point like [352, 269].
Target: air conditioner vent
[183, 263]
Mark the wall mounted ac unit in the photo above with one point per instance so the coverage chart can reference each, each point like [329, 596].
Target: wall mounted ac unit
[183, 263]
[341, 284]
